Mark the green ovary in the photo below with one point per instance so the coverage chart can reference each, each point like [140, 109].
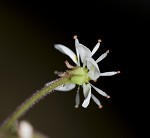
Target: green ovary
[79, 76]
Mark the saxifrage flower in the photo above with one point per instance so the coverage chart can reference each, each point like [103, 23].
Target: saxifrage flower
[85, 71]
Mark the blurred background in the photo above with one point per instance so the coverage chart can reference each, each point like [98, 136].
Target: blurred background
[28, 31]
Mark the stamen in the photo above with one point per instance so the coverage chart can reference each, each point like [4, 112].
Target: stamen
[68, 65]
[102, 56]
[77, 98]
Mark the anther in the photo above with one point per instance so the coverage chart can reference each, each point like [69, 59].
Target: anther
[76, 106]
[118, 72]
[56, 72]
[99, 40]
[75, 37]
[100, 106]
[108, 97]
[60, 74]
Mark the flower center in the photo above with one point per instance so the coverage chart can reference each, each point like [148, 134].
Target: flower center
[79, 75]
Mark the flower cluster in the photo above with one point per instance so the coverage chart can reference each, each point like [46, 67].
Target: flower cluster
[83, 74]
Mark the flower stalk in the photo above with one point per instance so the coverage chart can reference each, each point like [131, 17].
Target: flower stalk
[8, 123]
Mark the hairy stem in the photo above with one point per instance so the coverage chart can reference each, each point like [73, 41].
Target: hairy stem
[31, 101]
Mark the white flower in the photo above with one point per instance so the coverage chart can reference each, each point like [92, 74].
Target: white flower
[25, 130]
[83, 74]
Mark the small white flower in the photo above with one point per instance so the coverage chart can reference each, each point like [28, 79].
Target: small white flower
[25, 130]
[85, 73]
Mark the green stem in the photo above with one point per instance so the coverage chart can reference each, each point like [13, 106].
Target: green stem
[31, 101]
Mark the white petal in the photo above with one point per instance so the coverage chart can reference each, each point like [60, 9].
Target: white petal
[94, 71]
[100, 91]
[111, 73]
[77, 98]
[96, 48]
[66, 87]
[84, 52]
[102, 56]
[87, 95]
[67, 51]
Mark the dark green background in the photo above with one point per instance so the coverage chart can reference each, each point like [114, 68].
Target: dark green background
[28, 32]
